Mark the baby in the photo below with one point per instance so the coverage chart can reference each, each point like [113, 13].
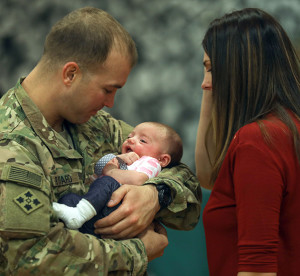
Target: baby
[149, 147]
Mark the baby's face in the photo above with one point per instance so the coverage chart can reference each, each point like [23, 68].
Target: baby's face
[145, 139]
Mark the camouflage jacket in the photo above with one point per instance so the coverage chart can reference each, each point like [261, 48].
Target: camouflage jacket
[37, 166]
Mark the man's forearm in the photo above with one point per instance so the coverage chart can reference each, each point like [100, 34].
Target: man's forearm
[64, 251]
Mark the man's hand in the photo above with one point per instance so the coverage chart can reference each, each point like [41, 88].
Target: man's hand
[129, 157]
[135, 214]
[155, 240]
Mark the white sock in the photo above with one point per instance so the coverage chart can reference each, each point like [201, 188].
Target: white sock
[75, 217]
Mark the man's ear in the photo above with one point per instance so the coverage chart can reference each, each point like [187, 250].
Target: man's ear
[70, 72]
[164, 160]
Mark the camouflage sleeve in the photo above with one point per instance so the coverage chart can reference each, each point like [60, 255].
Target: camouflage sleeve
[184, 211]
[32, 242]
[69, 252]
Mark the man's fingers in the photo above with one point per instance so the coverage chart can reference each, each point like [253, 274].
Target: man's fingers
[118, 231]
[158, 228]
[117, 196]
[110, 220]
[136, 212]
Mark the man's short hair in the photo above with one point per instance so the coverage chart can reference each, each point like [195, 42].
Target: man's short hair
[86, 36]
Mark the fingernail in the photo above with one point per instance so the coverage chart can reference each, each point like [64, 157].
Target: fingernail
[110, 202]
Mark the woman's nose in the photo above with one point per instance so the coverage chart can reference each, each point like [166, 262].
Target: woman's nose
[207, 82]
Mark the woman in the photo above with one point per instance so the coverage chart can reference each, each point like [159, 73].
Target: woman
[248, 146]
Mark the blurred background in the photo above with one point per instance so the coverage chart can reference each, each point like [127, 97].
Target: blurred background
[165, 85]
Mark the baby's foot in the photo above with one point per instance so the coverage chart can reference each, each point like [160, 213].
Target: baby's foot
[74, 217]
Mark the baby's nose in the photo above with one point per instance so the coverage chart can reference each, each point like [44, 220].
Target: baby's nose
[131, 140]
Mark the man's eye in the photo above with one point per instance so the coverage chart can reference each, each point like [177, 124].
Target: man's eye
[107, 91]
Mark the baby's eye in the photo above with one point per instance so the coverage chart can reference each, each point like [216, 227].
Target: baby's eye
[143, 141]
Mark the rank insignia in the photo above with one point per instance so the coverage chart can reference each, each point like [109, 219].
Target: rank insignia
[28, 201]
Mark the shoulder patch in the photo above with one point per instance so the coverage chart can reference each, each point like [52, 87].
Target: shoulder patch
[28, 201]
[21, 174]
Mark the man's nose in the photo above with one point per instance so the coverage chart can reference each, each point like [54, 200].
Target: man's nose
[110, 100]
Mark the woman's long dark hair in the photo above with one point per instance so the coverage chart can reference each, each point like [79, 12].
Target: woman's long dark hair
[255, 71]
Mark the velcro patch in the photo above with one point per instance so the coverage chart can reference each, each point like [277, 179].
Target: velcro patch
[28, 201]
[65, 179]
[21, 174]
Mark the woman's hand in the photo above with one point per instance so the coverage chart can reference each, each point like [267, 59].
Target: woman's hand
[135, 214]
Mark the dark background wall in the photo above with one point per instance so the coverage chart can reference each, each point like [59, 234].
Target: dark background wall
[166, 84]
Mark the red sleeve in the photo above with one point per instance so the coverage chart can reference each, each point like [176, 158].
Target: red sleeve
[258, 187]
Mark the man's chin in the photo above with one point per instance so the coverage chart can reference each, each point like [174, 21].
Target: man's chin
[82, 120]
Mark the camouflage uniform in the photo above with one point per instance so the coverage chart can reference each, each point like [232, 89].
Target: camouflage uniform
[37, 166]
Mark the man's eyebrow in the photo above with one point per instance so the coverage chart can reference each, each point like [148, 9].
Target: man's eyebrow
[116, 86]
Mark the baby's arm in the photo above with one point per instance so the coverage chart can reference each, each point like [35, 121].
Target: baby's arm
[124, 176]
[140, 171]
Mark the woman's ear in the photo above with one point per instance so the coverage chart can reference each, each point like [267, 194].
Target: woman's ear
[70, 72]
[164, 160]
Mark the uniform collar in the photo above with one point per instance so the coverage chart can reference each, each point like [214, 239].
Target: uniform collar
[53, 140]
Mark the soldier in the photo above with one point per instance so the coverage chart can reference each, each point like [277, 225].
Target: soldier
[52, 132]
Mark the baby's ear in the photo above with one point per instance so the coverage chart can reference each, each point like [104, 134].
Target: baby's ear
[164, 160]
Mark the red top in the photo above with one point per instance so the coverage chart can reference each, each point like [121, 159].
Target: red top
[252, 218]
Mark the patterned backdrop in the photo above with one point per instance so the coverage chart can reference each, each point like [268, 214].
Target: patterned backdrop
[166, 83]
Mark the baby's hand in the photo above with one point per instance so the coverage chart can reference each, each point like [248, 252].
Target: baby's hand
[111, 165]
[129, 157]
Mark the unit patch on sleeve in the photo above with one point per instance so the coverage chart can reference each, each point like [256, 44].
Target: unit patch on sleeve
[28, 201]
